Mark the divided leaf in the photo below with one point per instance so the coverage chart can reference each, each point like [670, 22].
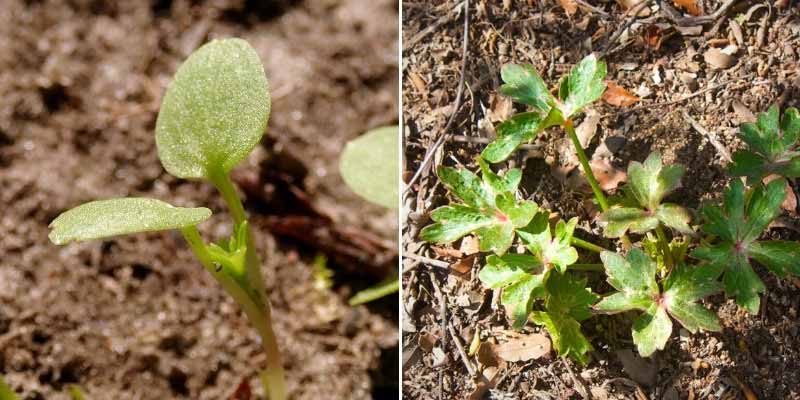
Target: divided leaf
[106, 218]
[524, 85]
[648, 184]
[583, 86]
[738, 223]
[490, 210]
[522, 279]
[635, 279]
[214, 112]
[567, 302]
[370, 165]
[550, 249]
[772, 146]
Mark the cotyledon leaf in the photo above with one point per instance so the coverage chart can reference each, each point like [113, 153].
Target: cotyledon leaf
[370, 165]
[105, 218]
[215, 110]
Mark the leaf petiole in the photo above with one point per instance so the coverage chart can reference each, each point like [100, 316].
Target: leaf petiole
[586, 245]
[587, 169]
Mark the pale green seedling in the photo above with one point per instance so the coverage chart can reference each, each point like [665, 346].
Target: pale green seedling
[370, 166]
[213, 114]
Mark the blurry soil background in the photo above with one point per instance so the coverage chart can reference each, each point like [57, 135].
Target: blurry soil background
[137, 317]
[688, 81]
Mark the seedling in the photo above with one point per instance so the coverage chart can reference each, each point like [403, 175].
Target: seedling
[6, 393]
[370, 166]
[541, 284]
[773, 144]
[213, 114]
[737, 226]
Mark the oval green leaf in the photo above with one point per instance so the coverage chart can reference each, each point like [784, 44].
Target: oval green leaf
[105, 218]
[215, 110]
[370, 165]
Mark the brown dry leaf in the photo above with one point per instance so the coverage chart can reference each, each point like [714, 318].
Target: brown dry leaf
[717, 59]
[447, 252]
[570, 6]
[628, 4]
[608, 176]
[464, 265]
[418, 83]
[524, 348]
[653, 35]
[470, 245]
[790, 202]
[744, 113]
[586, 130]
[500, 109]
[427, 341]
[487, 355]
[690, 6]
[617, 96]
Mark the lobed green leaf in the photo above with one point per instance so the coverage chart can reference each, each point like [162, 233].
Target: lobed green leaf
[524, 85]
[583, 86]
[214, 112]
[772, 143]
[106, 218]
[370, 165]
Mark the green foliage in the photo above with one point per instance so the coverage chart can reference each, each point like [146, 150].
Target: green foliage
[523, 84]
[370, 165]
[642, 210]
[5, 391]
[105, 218]
[635, 279]
[385, 288]
[551, 249]
[214, 112]
[772, 146]
[737, 225]
[567, 303]
[490, 208]
[583, 86]
[521, 276]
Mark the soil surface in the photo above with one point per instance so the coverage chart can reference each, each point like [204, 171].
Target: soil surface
[689, 108]
[137, 317]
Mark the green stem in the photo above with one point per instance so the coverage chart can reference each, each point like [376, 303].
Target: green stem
[587, 169]
[587, 267]
[664, 244]
[586, 245]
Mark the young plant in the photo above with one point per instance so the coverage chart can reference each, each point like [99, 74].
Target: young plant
[737, 226]
[370, 166]
[537, 285]
[642, 210]
[581, 87]
[542, 275]
[490, 208]
[635, 279]
[213, 114]
[773, 144]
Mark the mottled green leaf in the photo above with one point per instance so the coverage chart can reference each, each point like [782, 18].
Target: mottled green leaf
[780, 257]
[106, 218]
[622, 219]
[650, 181]
[583, 86]
[491, 209]
[214, 112]
[520, 276]
[524, 85]
[652, 330]
[567, 302]
[738, 223]
[683, 288]
[511, 133]
[772, 146]
[551, 249]
[675, 217]
[370, 165]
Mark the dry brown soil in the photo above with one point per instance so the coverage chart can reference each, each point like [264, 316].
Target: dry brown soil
[137, 317]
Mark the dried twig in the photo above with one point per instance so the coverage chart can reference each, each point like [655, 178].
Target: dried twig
[712, 137]
[633, 12]
[460, 347]
[459, 95]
